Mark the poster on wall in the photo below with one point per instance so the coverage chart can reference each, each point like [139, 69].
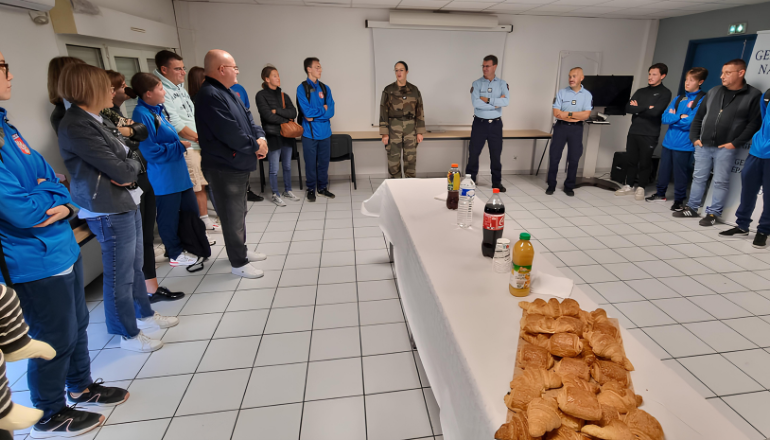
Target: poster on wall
[757, 75]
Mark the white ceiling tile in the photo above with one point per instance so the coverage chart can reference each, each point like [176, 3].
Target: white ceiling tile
[579, 2]
[640, 11]
[629, 3]
[530, 2]
[599, 10]
[327, 2]
[280, 2]
[468, 6]
[510, 7]
[376, 2]
[432, 5]
[555, 8]
[708, 6]
[545, 13]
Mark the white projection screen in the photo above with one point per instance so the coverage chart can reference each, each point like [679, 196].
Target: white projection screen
[442, 64]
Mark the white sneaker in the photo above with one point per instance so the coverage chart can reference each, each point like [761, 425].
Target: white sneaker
[212, 241]
[639, 193]
[156, 322]
[248, 271]
[626, 190]
[184, 259]
[210, 225]
[141, 343]
[277, 200]
[290, 195]
[255, 256]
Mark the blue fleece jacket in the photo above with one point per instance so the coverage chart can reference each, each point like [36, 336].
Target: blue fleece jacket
[678, 134]
[31, 253]
[760, 143]
[320, 127]
[164, 153]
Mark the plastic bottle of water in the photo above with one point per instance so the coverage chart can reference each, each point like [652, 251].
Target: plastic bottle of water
[465, 205]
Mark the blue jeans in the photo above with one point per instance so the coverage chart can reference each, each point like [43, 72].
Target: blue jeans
[284, 155]
[721, 160]
[55, 311]
[755, 175]
[125, 294]
[169, 207]
[679, 162]
[317, 153]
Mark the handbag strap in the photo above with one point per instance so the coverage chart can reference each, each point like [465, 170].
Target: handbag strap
[3, 264]
[283, 100]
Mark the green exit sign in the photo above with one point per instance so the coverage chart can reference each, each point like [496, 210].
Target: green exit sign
[738, 28]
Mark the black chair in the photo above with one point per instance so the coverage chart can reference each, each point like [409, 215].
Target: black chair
[342, 149]
[294, 156]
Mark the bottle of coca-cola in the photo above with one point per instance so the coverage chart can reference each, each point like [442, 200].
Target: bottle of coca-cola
[494, 220]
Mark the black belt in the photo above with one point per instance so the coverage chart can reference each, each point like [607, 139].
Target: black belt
[559, 121]
[484, 119]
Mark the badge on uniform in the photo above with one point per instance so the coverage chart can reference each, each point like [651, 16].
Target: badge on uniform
[21, 144]
[321, 95]
[689, 104]
[574, 102]
[489, 90]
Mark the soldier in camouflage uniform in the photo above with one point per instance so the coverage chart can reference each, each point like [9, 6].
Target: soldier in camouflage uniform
[402, 123]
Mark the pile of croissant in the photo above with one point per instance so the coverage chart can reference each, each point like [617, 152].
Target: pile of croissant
[572, 380]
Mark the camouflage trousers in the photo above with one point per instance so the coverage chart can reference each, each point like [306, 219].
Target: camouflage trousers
[402, 142]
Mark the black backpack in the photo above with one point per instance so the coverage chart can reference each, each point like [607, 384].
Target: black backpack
[695, 101]
[300, 116]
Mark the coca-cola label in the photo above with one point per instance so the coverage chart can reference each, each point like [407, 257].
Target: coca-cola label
[494, 222]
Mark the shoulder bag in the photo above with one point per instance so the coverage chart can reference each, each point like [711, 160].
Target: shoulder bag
[290, 129]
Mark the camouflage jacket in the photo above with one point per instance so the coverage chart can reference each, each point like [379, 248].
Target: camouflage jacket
[403, 103]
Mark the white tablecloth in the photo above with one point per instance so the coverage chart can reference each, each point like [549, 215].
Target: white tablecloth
[466, 324]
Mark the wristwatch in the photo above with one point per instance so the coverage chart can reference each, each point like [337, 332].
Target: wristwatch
[569, 114]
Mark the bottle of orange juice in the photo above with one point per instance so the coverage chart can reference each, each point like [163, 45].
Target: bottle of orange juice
[523, 255]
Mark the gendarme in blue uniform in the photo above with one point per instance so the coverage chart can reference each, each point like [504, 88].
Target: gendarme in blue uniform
[569, 134]
[756, 174]
[487, 125]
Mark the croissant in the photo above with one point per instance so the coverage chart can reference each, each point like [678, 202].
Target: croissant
[543, 416]
[586, 319]
[568, 324]
[532, 356]
[588, 354]
[539, 339]
[534, 323]
[609, 348]
[605, 371]
[552, 308]
[579, 403]
[574, 381]
[609, 414]
[614, 395]
[521, 394]
[572, 423]
[564, 433]
[515, 428]
[643, 425]
[615, 430]
[598, 313]
[603, 325]
[573, 366]
[544, 379]
[565, 345]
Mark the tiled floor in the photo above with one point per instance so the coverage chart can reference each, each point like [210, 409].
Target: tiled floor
[316, 349]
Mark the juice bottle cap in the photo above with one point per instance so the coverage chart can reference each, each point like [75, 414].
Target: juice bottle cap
[454, 165]
[495, 190]
[524, 236]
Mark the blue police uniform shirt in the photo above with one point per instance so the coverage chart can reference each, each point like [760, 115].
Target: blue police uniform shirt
[494, 90]
[567, 100]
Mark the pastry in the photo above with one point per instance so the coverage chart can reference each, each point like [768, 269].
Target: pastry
[568, 324]
[542, 416]
[534, 323]
[609, 414]
[618, 397]
[516, 428]
[542, 378]
[588, 355]
[603, 325]
[565, 345]
[573, 366]
[532, 356]
[570, 422]
[605, 371]
[579, 403]
[608, 347]
[552, 308]
[615, 430]
[521, 394]
[539, 339]
[564, 433]
[574, 381]
[643, 425]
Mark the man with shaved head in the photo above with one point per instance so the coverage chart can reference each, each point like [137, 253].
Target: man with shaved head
[230, 144]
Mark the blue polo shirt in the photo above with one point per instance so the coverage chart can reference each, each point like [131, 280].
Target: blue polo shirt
[241, 93]
[568, 100]
[494, 90]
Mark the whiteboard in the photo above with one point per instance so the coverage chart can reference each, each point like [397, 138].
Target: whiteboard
[590, 62]
[442, 64]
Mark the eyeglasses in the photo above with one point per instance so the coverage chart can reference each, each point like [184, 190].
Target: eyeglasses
[728, 72]
[233, 67]
[4, 68]
[179, 69]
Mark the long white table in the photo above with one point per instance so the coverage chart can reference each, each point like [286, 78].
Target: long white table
[466, 324]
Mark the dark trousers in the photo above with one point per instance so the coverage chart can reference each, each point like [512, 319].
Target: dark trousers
[316, 153]
[229, 191]
[491, 132]
[639, 151]
[755, 175]
[572, 136]
[55, 311]
[169, 206]
[147, 210]
[680, 162]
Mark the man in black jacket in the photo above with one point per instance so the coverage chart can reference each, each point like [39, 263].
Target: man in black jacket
[647, 106]
[727, 119]
[230, 144]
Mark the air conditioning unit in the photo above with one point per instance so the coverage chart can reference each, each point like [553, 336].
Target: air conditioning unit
[32, 5]
[441, 21]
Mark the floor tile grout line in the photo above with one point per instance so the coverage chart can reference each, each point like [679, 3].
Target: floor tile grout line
[360, 335]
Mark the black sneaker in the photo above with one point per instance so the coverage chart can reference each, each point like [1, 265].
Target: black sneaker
[677, 206]
[100, 395]
[760, 241]
[253, 197]
[569, 192]
[311, 195]
[500, 187]
[325, 192]
[686, 212]
[549, 191]
[655, 198]
[708, 220]
[69, 422]
[734, 231]
[163, 294]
